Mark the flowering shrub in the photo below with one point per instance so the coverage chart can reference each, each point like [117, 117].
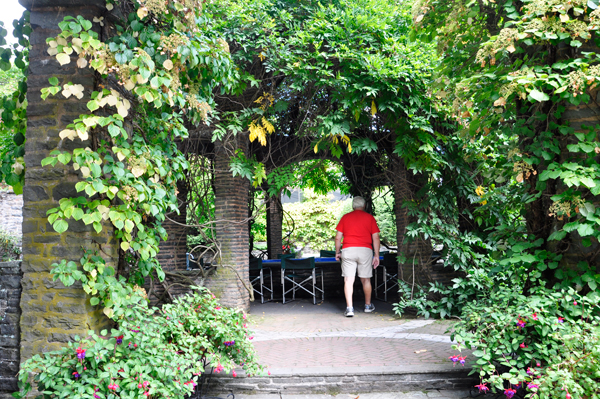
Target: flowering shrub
[546, 344]
[152, 352]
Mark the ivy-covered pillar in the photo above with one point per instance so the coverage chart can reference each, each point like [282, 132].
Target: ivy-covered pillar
[230, 281]
[53, 314]
[415, 267]
[274, 226]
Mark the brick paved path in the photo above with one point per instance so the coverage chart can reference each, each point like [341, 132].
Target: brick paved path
[301, 336]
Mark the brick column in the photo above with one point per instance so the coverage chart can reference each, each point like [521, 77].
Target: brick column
[274, 226]
[231, 215]
[419, 252]
[171, 253]
[51, 313]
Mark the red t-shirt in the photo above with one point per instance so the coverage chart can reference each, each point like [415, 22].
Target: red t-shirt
[358, 228]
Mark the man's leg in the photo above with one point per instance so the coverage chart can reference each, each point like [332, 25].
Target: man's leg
[366, 283]
[348, 290]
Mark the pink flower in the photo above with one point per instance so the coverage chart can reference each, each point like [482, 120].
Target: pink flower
[534, 317]
[561, 319]
[218, 369]
[575, 303]
[218, 308]
[568, 395]
[522, 345]
[233, 373]
[461, 360]
[521, 323]
[530, 371]
[532, 386]
[146, 383]
[268, 372]
[80, 353]
[482, 388]
[510, 392]
[454, 358]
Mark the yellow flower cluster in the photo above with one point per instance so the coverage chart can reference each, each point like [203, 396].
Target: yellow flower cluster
[506, 40]
[541, 7]
[578, 80]
[514, 87]
[259, 129]
[201, 107]
[480, 191]
[266, 100]
[561, 208]
[524, 170]
[155, 6]
[223, 44]
[172, 42]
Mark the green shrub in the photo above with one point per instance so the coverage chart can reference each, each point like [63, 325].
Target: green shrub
[9, 246]
[313, 221]
[546, 344]
[151, 352]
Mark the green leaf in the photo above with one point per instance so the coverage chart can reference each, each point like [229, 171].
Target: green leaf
[539, 96]
[585, 230]
[60, 226]
[53, 81]
[93, 105]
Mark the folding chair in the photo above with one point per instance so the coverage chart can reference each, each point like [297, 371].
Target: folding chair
[389, 280]
[326, 254]
[302, 274]
[257, 278]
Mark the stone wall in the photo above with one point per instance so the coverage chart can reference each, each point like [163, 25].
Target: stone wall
[11, 212]
[51, 313]
[10, 313]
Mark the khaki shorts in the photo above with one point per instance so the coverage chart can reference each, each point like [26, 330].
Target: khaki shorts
[357, 258]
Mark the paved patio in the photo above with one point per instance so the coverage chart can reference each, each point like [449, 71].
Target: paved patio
[313, 349]
[298, 337]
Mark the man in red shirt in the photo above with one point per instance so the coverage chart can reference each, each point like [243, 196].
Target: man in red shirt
[361, 251]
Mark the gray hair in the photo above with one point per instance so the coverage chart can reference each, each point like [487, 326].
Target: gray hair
[358, 203]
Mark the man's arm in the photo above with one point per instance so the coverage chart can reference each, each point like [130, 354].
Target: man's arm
[338, 245]
[375, 250]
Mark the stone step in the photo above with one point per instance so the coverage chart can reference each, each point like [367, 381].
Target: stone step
[335, 382]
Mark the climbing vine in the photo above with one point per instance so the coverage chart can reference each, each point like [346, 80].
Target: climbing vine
[157, 74]
[13, 105]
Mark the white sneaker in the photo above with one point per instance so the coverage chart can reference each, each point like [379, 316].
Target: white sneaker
[349, 312]
[369, 308]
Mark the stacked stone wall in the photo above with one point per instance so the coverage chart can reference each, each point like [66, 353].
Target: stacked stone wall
[10, 314]
[11, 212]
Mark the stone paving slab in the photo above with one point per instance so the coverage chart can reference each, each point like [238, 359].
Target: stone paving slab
[433, 394]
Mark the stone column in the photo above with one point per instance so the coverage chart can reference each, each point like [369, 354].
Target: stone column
[230, 279]
[274, 226]
[51, 313]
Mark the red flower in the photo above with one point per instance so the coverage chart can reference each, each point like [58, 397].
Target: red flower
[534, 317]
